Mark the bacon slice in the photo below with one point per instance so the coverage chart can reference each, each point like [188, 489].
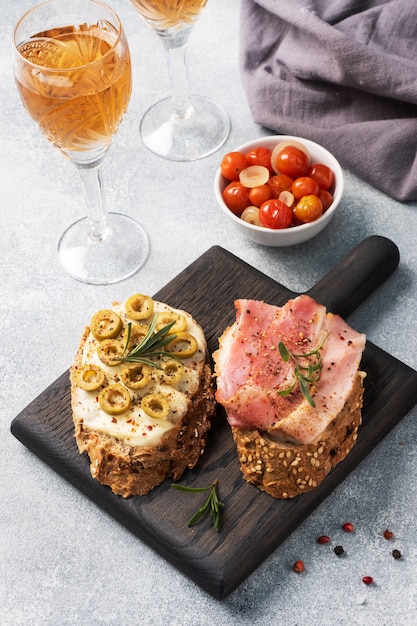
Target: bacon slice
[250, 370]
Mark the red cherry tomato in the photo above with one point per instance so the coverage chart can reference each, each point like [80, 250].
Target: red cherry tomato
[259, 195]
[275, 214]
[232, 164]
[236, 197]
[278, 183]
[291, 161]
[326, 198]
[304, 186]
[260, 156]
[322, 174]
[308, 209]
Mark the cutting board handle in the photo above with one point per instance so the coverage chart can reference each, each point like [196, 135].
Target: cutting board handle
[345, 287]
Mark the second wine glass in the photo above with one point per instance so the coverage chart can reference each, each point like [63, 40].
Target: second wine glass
[182, 127]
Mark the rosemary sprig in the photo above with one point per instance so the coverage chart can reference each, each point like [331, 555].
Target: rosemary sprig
[150, 346]
[304, 375]
[212, 504]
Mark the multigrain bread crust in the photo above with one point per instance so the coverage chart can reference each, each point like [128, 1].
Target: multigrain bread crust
[135, 470]
[285, 470]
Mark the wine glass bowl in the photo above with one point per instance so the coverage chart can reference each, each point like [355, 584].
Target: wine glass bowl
[73, 72]
[75, 82]
[184, 126]
[163, 15]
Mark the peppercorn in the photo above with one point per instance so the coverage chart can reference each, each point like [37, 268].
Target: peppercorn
[338, 550]
[368, 580]
[323, 539]
[348, 527]
[298, 567]
[388, 534]
[396, 554]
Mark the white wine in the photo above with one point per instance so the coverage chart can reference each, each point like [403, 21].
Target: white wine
[80, 90]
[163, 14]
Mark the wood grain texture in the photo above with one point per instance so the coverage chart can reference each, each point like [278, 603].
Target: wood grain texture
[254, 524]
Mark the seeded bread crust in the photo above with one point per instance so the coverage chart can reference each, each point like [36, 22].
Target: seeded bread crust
[285, 470]
[135, 470]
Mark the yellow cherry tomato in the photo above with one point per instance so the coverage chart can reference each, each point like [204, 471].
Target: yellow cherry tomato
[308, 209]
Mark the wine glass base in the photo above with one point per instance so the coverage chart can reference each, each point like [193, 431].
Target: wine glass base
[185, 139]
[109, 260]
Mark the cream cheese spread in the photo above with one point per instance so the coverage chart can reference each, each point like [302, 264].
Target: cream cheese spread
[135, 426]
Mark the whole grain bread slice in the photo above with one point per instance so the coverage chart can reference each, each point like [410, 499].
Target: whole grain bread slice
[285, 469]
[131, 469]
[135, 470]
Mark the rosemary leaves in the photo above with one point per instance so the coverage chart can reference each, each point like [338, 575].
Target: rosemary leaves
[212, 504]
[307, 370]
[151, 345]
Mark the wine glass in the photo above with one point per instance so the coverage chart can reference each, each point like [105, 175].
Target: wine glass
[73, 72]
[182, 127]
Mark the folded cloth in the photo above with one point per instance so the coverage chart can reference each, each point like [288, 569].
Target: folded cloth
[342, 73]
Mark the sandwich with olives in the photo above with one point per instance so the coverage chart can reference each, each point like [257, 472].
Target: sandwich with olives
[142, 394]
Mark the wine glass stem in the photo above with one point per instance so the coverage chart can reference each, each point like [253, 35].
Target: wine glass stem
[176, 53]
[91, 177]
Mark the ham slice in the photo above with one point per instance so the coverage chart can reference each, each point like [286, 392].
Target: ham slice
[251, 371]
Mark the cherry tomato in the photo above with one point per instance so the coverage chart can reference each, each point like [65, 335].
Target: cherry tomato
[260, 156]
[275, 214]
[322, 174]
[304, 186]
[259, 195]
[326, 198]
[278, 183]
[291, 161]
[308, 209]
[232, 164]
[236, 197]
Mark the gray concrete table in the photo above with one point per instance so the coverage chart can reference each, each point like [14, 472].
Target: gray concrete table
[64, 561]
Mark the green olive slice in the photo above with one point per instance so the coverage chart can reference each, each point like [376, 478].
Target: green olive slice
[105, 324]
[136, 376]
[139, 307]
[138, 333]
[114, 399]
[109, 351]
[89, 377]
[155, 405]
[166, 317]
[183, 346]
[172, 371]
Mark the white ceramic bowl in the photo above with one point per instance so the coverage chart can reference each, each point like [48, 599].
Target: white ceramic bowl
[296, 234]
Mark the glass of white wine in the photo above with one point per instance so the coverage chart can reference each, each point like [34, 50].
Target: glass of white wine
[184, 126]
[73, 71]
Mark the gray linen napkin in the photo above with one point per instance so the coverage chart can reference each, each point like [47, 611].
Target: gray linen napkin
[342, 73]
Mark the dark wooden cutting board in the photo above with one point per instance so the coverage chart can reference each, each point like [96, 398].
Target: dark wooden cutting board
[254, 524]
